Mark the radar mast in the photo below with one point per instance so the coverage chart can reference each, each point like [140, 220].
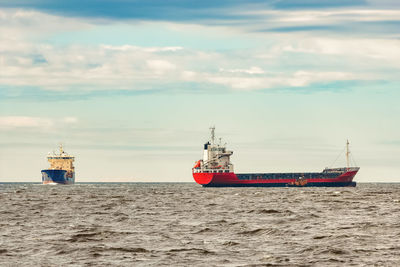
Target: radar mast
[212, 134]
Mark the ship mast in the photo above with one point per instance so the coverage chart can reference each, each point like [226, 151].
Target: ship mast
[212, 134]
[347, 153]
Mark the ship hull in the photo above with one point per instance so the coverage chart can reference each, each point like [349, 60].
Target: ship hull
[57, 177]
[231, 179]
[324, 184]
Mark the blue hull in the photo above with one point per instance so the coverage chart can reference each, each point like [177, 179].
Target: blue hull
[56, 176]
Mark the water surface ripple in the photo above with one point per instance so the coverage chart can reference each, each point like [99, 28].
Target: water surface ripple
[185, 224]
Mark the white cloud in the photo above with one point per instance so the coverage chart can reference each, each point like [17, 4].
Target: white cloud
[70, 120]
[94, 68]
[160, 67]
[241, 83]
[32, 24]
[27, 122]
[27, 62]
[252, 70]
[147, 49]
[304, 78]
[279, 18]
[135, 68]
[11, 122]
[188, 75]
[297, 79]
[368, 48]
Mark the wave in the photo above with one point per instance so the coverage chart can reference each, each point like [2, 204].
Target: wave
[83, 237]
[253, 232]
[231, 243]
[205, 230]
[127, 249]
[198, 250]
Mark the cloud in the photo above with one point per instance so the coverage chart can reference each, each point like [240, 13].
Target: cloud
[26, 122]
[146, 49]
[301, 4]
[297, 79]
[178, 10]
[26, 24]
[250, 16]
[160, 67]
[278, 60]
[336, 22]
[12, 122]
[252, 70]
[70, 120]
[388, 50]
[103, 68]
[89, 68]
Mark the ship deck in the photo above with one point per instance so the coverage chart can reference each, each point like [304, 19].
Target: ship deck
[294, 175]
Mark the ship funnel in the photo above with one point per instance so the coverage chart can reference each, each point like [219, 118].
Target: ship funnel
[205, 153]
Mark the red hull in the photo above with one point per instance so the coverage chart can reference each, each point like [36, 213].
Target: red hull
[230, 179]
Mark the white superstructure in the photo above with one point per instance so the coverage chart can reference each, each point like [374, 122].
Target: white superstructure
[215, 157]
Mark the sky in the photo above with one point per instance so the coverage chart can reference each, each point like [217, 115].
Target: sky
[131, 87]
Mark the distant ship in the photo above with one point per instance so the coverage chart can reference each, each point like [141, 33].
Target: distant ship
[216, 170]
[61, 171]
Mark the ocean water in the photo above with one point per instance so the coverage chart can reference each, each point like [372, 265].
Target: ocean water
[187, 225]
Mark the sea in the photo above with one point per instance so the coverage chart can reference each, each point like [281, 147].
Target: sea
[184, 224]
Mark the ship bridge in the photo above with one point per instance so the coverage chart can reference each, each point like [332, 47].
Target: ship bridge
[62, 161]
[216, 158]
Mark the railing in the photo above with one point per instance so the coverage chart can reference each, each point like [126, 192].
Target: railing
[201, 170]
[345, 169]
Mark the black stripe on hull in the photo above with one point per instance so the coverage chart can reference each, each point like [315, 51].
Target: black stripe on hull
[334, 184]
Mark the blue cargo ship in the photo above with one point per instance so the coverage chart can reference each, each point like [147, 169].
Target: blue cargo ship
[61, 171]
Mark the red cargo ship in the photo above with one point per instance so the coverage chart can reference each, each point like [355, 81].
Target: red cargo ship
[216, 170]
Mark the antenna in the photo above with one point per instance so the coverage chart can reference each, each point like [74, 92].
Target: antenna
[212, 134]
[61, 149]
[347, 153]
